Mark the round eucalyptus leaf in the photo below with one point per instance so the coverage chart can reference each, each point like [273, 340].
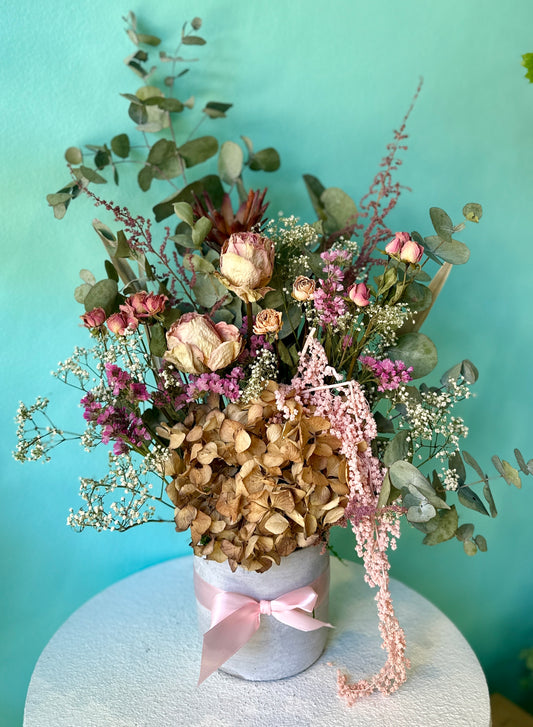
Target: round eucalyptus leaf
[417, 296]
[452, 251]
[416, 350]
[340, 209]
[198, 150]
[421, 513]
[230, 161]
[266, 160]
[120, 145]
[442, 223]
[74, 155]
[397, 448]
[473, 212]
[102, 295]
[469, 547]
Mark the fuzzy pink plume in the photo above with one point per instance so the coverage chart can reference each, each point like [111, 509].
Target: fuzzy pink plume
[375, 531]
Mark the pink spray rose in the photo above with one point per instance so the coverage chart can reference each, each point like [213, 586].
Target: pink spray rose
[120, 323]
[246, 265]
[197, 345]
[403, 248]
[359, 293]
[411, 252]
[94, 318]
[147, 304]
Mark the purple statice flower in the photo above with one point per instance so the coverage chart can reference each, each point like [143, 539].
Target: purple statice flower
[120, 423]
[121, 382]
[255, 344]
[227, 385]
[390, 374]
[91, 406]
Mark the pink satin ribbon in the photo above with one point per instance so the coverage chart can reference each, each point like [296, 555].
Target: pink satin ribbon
[235, 618]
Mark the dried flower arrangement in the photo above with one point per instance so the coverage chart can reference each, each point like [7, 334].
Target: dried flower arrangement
[264, 369]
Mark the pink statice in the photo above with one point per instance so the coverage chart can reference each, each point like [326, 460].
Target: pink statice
[375, 530]
[121, 383]
[116, 422]
[227, 385]
[390, 374]
[328, 297]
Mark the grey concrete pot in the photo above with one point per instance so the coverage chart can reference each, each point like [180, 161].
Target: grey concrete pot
[276, 650]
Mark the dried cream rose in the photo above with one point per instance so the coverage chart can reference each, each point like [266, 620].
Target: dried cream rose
[267, 321]
[246, 265]
[303, 288]
[197, 345]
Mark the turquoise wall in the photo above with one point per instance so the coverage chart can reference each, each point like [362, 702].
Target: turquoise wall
[325, 83]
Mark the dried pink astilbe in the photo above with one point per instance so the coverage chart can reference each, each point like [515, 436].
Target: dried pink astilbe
[375, 531]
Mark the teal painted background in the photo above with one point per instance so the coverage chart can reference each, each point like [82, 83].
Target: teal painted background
[325, 83]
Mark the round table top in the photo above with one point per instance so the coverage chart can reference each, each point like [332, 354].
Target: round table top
[130, 657]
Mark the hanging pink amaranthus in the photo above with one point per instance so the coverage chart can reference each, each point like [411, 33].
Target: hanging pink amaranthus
[375, 530]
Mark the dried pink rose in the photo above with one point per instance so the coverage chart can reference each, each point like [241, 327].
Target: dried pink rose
[94, 318]
[197, 345]
[303, 288]
[246, 265]
[267, 321]
[359, 294]
[147, 304]
[120, 323]
[411, 252]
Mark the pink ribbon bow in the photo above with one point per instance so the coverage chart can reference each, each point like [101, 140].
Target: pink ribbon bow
[235, 618]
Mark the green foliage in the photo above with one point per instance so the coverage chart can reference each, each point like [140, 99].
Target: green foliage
[527, 62]
[416, 350]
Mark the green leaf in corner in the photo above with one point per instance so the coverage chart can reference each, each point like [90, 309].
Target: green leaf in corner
[527, 62]
[487, 492]
[74, 155]
[521, 461]
[465, 532]
[183, 210]
[510, 474]
[201, 230]
[384, 492]
[144, 178]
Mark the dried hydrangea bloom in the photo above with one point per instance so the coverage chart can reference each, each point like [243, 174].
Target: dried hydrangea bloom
[251, 487]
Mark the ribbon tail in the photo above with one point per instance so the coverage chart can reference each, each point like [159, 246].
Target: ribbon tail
[224, 639]
[300, 620]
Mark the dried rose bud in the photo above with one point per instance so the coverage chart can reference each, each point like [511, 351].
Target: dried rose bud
[267, 321]
[147, 304]
[120, 323]
[197, 345]
[94, 318]
[411, 252]
[359, 293]
[246, 265]
[303, 288]
[395, 246]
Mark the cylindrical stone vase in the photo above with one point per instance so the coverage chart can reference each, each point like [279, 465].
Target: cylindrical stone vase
[276, 650]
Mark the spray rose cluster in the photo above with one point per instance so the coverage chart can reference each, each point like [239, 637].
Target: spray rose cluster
[402, 248]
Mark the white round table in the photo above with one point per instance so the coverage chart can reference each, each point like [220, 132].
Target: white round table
[130, 657]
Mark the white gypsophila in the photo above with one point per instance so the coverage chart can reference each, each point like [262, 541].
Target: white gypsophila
[428, 417]
[263, 369]
[449, 478]
[133, 503]
[386, 321]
